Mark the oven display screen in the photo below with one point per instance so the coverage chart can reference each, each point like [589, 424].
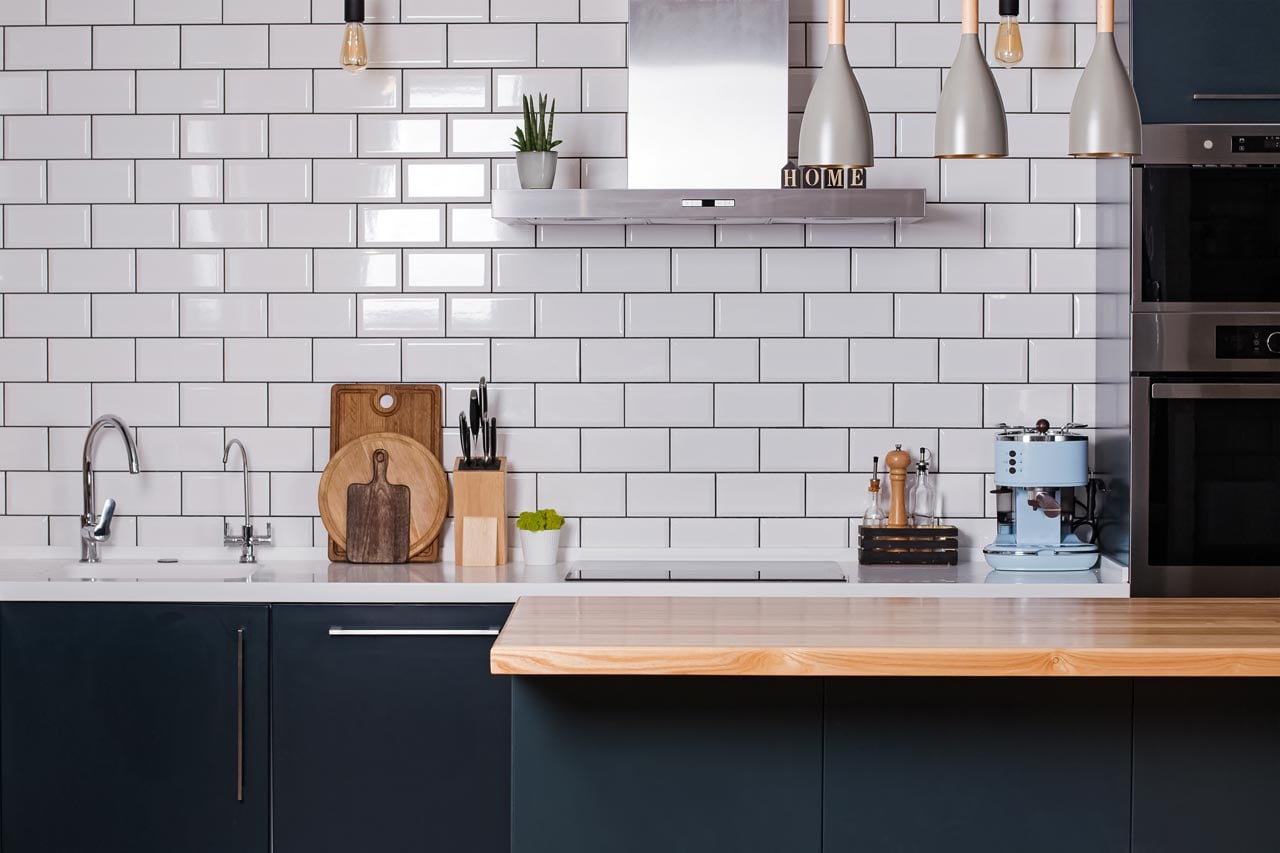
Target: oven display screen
[1249, 342]
[1255, 144]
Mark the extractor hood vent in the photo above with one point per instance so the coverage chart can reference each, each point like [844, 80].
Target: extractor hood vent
[708, 109]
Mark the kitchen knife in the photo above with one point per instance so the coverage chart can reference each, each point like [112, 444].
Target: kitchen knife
[484, 399]
[464, 436]
[476, 423]
[492, 429]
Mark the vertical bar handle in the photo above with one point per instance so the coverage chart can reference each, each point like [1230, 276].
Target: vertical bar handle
[240, 714]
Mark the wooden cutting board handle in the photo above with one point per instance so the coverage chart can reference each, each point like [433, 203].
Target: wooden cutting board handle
[378, 517]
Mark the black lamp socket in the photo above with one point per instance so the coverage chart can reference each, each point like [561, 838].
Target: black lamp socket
[1009, 8]
[355, 12]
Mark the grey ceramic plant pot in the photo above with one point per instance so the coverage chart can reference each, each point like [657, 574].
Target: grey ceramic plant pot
[537, 169]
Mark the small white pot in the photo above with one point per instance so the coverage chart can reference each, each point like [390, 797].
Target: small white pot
[537, 171]
[541, 547]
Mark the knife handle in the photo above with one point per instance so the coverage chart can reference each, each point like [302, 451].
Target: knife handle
[492, 430]
[464, 436]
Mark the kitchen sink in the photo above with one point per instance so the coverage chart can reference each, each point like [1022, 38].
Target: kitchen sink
[158, 570]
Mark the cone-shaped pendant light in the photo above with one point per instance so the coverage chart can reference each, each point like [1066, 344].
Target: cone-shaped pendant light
[1105, 121]
[836, 129]
[971, 120]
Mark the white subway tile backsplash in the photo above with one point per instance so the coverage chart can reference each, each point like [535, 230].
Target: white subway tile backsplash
[420, 136]
[228, 225]
[312, 315]
[714, 533]
[760, 315]
[224, 47]
[535, 360]
[183, 181]
[936, 315]
[625, 450]
[804, 360]
[223, 405]
[168, 12]
[48, 47]
[24, 182]
[46, 137]
[266, 11]
[24, 271]
[128, 315]
[402, 225]
[446, 269]
[983, 361]
[343, 360]
[268, 180]
[670, 315]
[179, 360]
[444, 10]
[440, 180]
[260, 359]
[629, 360]
[579, 405]
[406, 46]
[505, 316]
[1025, 404]
[759, 405]
[446, 360]
[861, 315]
[370, 91]
[715, 270]
[141, 404]
[447, 90]
[180, 91]
[657, 405]
[301, 225]
[24, 360]
[140, 47]
[126, 136]
[1028, 225]
[938, 405]
[893, 360]
[277, 91]
[47, 405]
[24, 92]
[312, 136]
[268, 270]
[492, 45]
[715, 360]
[862, 405]
[1028, 316]
[179, 270]
[224, 136]
[1064, 270]
[357, 270]
[226, 315]
[401, 316]
[760, 495]
[985, 270]
[88, 270]
[595, 315]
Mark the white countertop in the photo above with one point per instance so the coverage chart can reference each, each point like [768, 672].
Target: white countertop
[305, 576]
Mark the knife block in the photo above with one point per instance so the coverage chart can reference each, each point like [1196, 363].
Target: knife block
[480, 515]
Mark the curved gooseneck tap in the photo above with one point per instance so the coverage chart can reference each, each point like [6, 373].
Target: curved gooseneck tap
[93, 529]
[246, 540]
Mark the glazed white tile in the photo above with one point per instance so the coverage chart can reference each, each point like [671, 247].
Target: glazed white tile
[179, 359]
[24, 181]
[447, 90]
[168, 12]
[893, 360]
[1029, 225]
[299, 405]
[445, 360]
[938, 405]
[180, 91]
[312, 315]
[828, 495]
[806, 270]
[604, 90]
[625, 360]
[48, 47]
[832, 405]
[625, 450]
[603, 10]
[302, 225]
[1063, 180]
[985, 180]
[357, 270]
[268, 181]
[597, 495]
[419, 136]
[224, 315]
[511, 404]
[406, 46]
[715, 270]
[746, 236]
[593, 405]
[401, 316]
[402, 225]
[28, 448]
[1052, 44]
[24, 360]
[312, 136]
[759, 405]
[573, 45]
[664, 236]
[760, 495]
[26, 271]
[260, 359]
[224, 136]
[864, 444]
[47, 226]
[670, 315]
[127, 136]
[239, 225]
[715, 360]
[1028, 315]
[46, 137]
[965, 450]
[89, 271]
[142, 404]
[712, 450]
[760, 315]
[534, 10]
[671, 495]
[182, 449]
[47, 405]
[945, 225]
[136, 47]
[351, 360]
[895, 270]
[179, 270]
[371, 91]
[562, 85]
[604, 174]
[453, 180]
[1025, 404]
[860, 315]
[714, 533]
[222, 492]
[224, 47]
[475, 226]
[1053, 89]
[595, 315]
[1064, 361]
[125, 225]
[925, 45]
[626, 270]
[24, 92]
[505, 316]
[266, 11]
[540, 270]
[804, 450]
[128, 315]
[293, 493]
[446, 269]
[1038, 135]
[356, 180]
[268, 270]
[560, 236]
[985, 270]
[906, 173]
[535, 360]
[492, 45]
[983, 361]
[669, 405]
[803, 533]
[1064, 270]
[275, 91]
[624, 533]
[804, 360]
[182, 181]
[444, 10]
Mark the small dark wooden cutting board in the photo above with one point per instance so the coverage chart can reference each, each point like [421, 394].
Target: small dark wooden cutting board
[378, 518]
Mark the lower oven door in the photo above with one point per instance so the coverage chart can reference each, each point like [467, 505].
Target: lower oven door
[1206, 488]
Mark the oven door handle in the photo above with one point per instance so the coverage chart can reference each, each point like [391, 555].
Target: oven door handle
[1215, 391]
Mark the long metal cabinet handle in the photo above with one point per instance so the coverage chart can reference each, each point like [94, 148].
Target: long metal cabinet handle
[1236, 96]
[240, 714]
[1215, 391]
[414, 632]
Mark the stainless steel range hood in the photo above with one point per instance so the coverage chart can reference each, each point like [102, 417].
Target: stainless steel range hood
[707, 130]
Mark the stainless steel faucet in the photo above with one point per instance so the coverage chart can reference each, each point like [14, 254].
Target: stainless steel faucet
[246, 540]
[95, 529]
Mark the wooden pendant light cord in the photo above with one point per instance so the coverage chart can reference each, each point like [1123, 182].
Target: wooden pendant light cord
[969, 18]
[1106, 16]
[835, 21]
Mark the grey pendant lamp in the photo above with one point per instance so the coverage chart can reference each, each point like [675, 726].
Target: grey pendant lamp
[836, 129]
[1105, 120]
[971, 120]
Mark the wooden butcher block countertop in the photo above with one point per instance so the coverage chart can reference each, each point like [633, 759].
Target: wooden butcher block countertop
[890, 636]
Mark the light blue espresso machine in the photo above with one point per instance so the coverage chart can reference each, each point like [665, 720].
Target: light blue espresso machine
[1037, 473]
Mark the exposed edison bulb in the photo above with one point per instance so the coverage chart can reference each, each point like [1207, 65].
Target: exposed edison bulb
[355, 55]
[1009, 38]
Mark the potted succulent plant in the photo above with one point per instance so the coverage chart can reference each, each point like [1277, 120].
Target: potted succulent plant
[540, 536]
[536, 143]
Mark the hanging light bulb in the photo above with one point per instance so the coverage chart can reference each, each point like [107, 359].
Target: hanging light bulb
[1009, 37]
[1105, 119]
[355, 55]
[971, 120]
[836, 128]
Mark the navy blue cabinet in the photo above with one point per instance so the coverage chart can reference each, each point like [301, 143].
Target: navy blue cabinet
[134, 728]
[1197, 62]
[389, 733]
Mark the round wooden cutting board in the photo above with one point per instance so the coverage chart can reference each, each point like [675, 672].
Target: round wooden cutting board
[410, 464]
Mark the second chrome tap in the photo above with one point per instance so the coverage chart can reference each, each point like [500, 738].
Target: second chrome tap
[247, 540]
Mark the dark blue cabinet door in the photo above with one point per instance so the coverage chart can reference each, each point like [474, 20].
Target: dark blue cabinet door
[1205, 759]
[389, 742]
[135, 728]
[1185, 48]
[977, 765]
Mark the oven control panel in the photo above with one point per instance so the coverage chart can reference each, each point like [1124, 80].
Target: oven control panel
[1255, 144]
[1249, 342]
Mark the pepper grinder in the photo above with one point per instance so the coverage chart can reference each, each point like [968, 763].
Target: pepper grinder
[898, 460]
